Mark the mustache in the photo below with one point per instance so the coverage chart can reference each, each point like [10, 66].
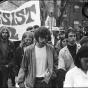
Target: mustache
[4, 37]
[73, 40]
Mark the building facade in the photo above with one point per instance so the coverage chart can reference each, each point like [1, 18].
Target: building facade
[73, 15]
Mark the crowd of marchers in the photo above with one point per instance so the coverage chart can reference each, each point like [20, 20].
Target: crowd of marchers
[45, 58]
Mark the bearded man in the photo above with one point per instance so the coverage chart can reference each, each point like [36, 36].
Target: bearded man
[7, 49]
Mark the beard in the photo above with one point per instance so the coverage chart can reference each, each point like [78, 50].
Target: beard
[73, 41]
[4, 38]
[27, 44]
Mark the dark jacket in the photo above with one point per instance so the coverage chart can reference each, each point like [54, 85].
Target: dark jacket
[28, 67]
[19, 56]
[10, 57]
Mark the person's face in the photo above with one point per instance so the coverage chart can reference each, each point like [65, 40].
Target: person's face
[4, 34]
[42, 41]
[56, 33]
[27, 41]
[51, 14]
[78, 33]
[84, 63]
[64, 42]
[32, 31]
[71, 38]
[61, 34]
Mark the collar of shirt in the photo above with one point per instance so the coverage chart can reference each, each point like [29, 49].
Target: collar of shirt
[79, 71]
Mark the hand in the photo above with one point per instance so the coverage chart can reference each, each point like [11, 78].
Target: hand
[53, 75]
[47, 77]
[21, 85]
[17, 86]
[6, 66]
[46, 80]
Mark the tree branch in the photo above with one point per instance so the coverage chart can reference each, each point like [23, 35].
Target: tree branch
[13, 3]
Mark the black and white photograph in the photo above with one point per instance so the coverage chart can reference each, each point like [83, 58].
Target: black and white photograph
[43, 43]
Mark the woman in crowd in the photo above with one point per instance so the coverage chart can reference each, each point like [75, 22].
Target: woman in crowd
[78, 76]
[60, 44]
[27, 39]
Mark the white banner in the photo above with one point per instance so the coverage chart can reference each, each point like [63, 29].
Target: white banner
[18, 20]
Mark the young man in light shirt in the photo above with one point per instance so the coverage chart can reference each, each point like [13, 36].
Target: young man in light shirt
[37, 65]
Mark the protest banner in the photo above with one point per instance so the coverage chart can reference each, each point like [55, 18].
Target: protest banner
[20, 19]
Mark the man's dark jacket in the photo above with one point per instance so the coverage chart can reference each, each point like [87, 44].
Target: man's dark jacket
[10, 57]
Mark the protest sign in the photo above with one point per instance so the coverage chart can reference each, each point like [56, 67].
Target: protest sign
[20, 19]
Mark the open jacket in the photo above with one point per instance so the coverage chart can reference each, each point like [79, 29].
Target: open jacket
[28, 66]
[9, 60]
[65, 60]
[65, 63]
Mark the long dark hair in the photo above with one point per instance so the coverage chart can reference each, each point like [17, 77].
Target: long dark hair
[83, 52]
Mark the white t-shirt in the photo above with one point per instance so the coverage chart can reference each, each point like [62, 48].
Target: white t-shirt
[76, 78]
[41, 61]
